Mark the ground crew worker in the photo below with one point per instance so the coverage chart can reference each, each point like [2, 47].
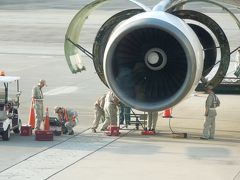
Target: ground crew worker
[152, 120]
[37, 97]
[124, 114]
[210, 114]
[237, 64]
[110, 109]
[99, 112]
[68, 117]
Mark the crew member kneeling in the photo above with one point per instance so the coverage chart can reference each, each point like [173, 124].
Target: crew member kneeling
[68, 117]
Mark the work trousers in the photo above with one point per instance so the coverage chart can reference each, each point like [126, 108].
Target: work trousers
[38, 107]
[69, 125]
[99, 113]
[152, 120]
[124, 114]
[110, 115]
[209, 125]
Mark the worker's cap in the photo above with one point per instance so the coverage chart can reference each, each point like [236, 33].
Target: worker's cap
[56, 109]
[42, 81]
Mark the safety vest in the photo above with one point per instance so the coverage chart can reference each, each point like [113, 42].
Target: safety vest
[66, 115]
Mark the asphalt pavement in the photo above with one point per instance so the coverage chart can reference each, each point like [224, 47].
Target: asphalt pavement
[31, 46]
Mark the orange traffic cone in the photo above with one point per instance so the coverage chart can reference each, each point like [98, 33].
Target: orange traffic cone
[46, 120]
[167, 113]
[31, 119]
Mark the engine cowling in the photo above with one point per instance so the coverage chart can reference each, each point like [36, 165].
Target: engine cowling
[152, 61]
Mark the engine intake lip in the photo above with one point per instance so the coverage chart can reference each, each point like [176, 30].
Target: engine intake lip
[162, 22]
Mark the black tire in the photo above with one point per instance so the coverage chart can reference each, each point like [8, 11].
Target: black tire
[6, 135]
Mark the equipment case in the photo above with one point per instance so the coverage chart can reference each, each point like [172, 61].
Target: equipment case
[26, 130]
[113, 130]
[43, 135]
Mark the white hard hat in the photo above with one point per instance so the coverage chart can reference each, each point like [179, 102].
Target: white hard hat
[42, 81]
[56, 109]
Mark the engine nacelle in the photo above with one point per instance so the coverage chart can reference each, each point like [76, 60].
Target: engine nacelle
[152, 61]
[151, 58]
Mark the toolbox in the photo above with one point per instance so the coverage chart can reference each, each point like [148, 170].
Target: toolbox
[145, 132]
[113, 130]
[44, 135]
[26, 130]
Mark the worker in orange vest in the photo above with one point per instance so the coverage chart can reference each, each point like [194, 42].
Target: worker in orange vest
[68, 117]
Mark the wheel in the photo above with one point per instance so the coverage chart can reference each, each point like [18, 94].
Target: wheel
[18, 129]
[6, 135]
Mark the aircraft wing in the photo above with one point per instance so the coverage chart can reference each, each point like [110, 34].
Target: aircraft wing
[152, 58]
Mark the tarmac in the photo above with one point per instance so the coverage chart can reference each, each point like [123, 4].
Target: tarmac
[31, 46]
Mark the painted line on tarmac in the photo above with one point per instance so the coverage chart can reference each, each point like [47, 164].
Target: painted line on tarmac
[61, 90]
[87, 155]
[59, 157]
[43, 150]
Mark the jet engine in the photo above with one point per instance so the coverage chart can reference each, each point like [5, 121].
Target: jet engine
[151, 59]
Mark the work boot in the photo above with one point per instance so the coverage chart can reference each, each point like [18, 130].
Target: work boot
[71, 133]
[204, 138]
[65, 132]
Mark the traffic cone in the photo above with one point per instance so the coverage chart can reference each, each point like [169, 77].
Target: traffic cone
[46, 120]
[31, 119]
[167, 113]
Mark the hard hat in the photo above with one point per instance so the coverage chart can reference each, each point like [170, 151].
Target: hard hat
[56, 109]
[42, 81]
[209, 87]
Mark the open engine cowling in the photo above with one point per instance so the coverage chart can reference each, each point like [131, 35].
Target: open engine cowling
[152, 61]
[151, 58]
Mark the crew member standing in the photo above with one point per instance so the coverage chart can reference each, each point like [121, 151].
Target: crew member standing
[37, 97]
[68, 117]
[152, 120]
[110, 109]
[237, 63]
[210, 114]
[99, 112]
[124, 114]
